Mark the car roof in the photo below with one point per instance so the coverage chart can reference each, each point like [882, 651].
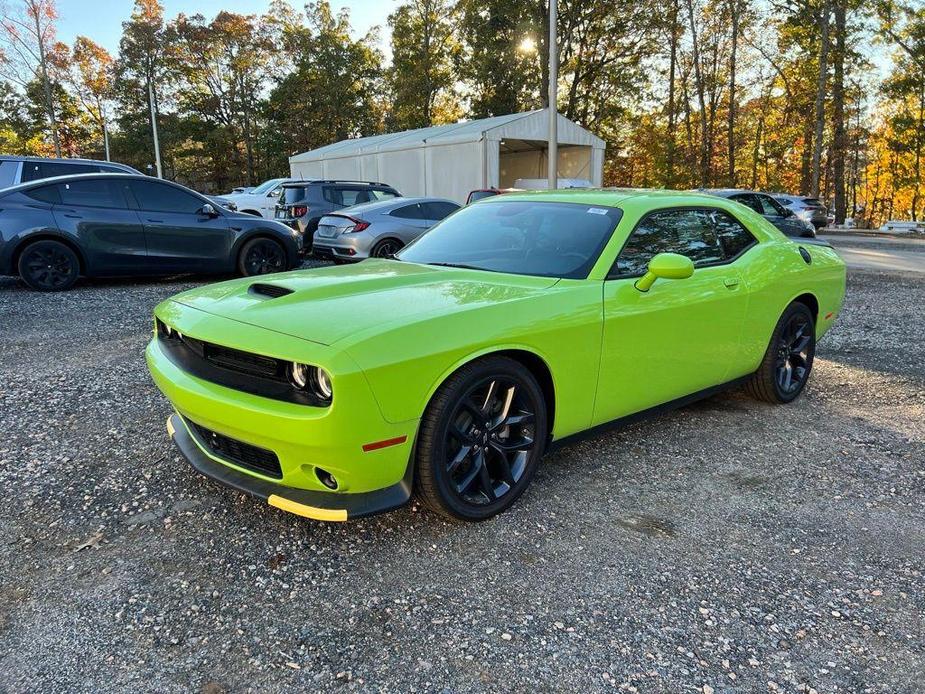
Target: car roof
[67, 160]
[727, 192]
[90, 177]
[295, 183]
[384, 205]
[609, 197]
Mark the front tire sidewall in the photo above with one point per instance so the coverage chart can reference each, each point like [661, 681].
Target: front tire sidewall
[242, 257]
[437, 419]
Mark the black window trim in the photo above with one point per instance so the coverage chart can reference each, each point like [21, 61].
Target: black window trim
[685, 208]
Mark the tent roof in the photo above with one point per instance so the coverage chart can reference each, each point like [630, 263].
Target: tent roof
[529, 125]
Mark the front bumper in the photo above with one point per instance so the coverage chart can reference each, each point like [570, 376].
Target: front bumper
[323, 506]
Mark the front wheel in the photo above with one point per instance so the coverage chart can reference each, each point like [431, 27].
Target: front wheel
[481, 439]
[48, 266]
[788, 361]
[261, 256]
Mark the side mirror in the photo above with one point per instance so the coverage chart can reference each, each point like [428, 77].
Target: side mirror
[273, 194]
[666, 266]
[208, 210]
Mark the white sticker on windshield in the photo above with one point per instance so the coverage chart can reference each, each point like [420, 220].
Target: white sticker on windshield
[596, 210]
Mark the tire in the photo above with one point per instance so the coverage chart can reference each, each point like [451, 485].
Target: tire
[48, 266]
[788, 361]
[386, 248]
[261, 256]
[478, 447]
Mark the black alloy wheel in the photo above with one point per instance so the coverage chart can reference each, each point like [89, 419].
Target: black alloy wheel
[481, 439]
[261, 256]
[386, 248]
[788, 362]
[48, 266]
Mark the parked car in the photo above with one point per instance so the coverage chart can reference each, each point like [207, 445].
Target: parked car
[223, 201]
[378, 229]
[513, 324]
[302, 204]
[119, 224]
[260, 201]
[810, 210]
[16, 170]
[770, 209]
[482, 193]
[543, 183]
[241, 189]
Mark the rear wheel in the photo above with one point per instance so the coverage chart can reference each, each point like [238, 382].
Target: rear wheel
[788, 361]
[48, 266]
[386, 248]
[261, 256]
[481, 439]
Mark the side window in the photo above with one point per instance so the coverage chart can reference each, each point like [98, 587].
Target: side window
[408, 212]
[749, 201]
[96, 193]
[438, 210]
[332, 195]
[770, 206]
[733, 237]
[8, 173]
[382, 194]
[688, 232]
[37, 170]
[47, 194]
[160, 197]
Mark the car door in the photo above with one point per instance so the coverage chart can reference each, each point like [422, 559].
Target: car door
[111, 234]
[178, 235]
[267, 204]
[409, 221]
[681, 336]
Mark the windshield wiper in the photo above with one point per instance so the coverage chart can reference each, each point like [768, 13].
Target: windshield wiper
[459, 265]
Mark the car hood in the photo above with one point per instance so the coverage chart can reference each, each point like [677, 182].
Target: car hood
[328, 304]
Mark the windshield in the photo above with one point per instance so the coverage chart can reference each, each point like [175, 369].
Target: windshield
[526, 237]
[265, 186]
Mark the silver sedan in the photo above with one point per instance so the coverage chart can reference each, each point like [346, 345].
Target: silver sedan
[377, 229]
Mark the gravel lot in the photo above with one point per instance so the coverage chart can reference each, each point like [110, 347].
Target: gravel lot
[729, 546]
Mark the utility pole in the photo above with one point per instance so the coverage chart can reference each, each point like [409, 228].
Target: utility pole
[106, 139]
[553, 148]
[157, 144]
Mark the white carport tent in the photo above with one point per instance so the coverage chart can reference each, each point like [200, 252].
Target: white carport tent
[448, 161]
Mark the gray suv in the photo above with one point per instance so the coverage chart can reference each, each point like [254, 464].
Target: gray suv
[769, 208]
[303, 203]
[16, 170]
[808, 209]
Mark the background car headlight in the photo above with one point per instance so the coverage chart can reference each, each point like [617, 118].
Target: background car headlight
[312, 379]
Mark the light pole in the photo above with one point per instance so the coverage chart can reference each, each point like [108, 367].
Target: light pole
[553, 146]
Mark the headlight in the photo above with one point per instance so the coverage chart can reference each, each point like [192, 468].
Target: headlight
[312, 379]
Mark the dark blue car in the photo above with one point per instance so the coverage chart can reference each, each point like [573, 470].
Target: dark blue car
[54, 230]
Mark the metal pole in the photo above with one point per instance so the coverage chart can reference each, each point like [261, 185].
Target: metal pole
[553, 147]
[106, 140]
[157, 144]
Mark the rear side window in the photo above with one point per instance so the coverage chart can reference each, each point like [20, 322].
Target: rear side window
[749, 201]
[94, 193]
[438, 210]
[769, 206]
[160, 197]
[47, 194]
[476, 195]
[8, 173]
[408, 212]
[707, 237]
[37, 170]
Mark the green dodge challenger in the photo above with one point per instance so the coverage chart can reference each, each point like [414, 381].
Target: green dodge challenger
[513, 324]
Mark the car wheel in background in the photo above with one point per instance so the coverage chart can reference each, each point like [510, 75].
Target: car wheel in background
[386, 248]
[48, 266]
[261, 256]
[788, 362]
[481, 439]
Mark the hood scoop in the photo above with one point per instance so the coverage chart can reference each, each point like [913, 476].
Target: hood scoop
[271, 291]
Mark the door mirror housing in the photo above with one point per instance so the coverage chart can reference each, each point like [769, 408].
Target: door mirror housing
[208, 210]
[273, 193]
[666, 266]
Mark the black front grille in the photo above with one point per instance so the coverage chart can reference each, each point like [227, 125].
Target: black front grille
[244, 454]
[245, 362]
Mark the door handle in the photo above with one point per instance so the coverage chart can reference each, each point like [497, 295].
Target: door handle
[731, 282]
[155, 221]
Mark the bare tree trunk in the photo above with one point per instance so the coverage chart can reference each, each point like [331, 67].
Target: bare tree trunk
[839, 144]
[731, 174]
[698, 78]
[46, 83]
[672, 67]
[806, 156]
[819, 117]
